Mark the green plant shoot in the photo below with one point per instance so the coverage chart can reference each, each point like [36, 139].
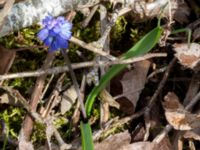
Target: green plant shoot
[140, 48]
[86, 132]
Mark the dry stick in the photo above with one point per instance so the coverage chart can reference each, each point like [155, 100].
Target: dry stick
[61, 142]
[160, 70]
[34, 114]
[104, 107]
[18, 97]
[92, 47]
[53, 98]
[27, 126]
[87, 20]
[154, 97]
[30, 48]
[56, 70]
[47, 86]
[193, 102]
[161, 85]
[75, 82]
[192, 89]
[76, 114]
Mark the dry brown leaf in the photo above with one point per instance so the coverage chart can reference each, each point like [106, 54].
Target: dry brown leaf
[188, 56]
[141, 146]
[193, 134]
[171, 102]
[177, 116]
[131, 84]
[163, 145]
[68, 99]
[8, 99]
[182, 120]
[138, 133]
[114, 142]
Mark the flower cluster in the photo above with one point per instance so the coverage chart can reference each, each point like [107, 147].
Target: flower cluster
[55, 33]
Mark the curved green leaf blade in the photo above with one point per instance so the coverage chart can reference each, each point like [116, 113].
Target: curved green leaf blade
[86, 136]
[140, 48]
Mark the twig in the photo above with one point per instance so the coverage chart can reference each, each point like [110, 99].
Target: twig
[61, 142]
[47, 86]
[27, 126]
[192, 89]
[75, 82]
[56, 70]
[87, 20]
[154, 97]
[16, 95]
[193, 102]
[161, 84]
[93, 47]
[163, 133]
[105, 42]
[53, 98]
[160, 70]
[76, 114]
[30, 48]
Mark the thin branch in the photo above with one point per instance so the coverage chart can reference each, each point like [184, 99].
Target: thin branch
[93, 47]
[27, 126]
[89, 17]
[75, 82]
[56, 70]
[161, 84]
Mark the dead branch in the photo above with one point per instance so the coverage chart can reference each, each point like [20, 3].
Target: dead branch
[57, 70]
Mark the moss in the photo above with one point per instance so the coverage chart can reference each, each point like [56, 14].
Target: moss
[39, 136]
[12, 117]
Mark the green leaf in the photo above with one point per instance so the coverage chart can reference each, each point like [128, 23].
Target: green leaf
[140, 48]
[86, 136]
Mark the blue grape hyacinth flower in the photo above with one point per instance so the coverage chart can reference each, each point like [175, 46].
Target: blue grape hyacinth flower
[56, 32]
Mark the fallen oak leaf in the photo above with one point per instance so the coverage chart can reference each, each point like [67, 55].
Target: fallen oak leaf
[114, 142]
[188, 56]
[162, 145]
[177, 116]
[68, 98]
[193, 134]
[128, 86]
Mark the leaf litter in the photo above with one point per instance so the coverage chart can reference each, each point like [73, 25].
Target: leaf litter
[128, 94]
